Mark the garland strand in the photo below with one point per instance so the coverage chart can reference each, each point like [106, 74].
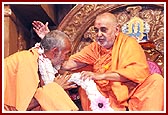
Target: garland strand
[98, 101]
[46, 69]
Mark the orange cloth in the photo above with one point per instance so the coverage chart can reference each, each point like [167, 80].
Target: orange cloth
[126, 58]
[21, 81]
[85, 102]
[52, 97]
[152, 97]
[20, 78]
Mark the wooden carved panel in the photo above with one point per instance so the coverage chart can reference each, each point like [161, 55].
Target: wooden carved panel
[15, 34]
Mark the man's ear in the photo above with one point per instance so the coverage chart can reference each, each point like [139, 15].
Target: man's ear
[54, 50]
[117, 30]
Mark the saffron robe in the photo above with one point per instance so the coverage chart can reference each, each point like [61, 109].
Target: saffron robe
[126, 58]
[21, 82]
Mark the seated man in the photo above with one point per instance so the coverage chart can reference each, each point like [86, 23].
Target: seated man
[120, 69]
[29, 77]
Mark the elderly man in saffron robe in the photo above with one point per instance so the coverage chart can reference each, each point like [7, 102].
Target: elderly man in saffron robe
[120, 69]
[29, 77]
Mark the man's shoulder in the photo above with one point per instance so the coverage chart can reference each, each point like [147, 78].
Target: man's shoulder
[91, 45]
[24, 54]
[128, 37]
[27, 52]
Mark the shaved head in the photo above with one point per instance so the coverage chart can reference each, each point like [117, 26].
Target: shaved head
[106, 29]
[108, 18]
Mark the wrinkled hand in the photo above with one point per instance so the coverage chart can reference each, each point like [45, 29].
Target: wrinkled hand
[62, 80]
[40, 28]
[91, 75]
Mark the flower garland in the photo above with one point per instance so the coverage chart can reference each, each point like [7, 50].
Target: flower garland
[46, 69]
[98, 101]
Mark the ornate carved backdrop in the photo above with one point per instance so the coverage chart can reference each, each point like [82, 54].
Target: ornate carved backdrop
[78, 24]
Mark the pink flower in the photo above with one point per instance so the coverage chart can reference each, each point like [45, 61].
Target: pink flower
[100, 103]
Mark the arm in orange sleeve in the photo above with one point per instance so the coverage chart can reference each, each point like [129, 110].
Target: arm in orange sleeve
[131, 62]
[81, 59]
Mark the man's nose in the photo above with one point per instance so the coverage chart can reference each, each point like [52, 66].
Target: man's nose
[99, 33]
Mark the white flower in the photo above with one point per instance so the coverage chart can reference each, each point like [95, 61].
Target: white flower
[46, 69]
[98, 101]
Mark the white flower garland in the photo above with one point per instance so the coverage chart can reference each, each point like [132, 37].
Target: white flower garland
[46, 69]
[98, 101]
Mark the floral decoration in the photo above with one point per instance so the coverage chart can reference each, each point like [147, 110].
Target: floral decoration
[98, 101]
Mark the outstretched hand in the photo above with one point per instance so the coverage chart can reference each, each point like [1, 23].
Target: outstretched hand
[62, 80]
[91, 75]
[40, 28]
